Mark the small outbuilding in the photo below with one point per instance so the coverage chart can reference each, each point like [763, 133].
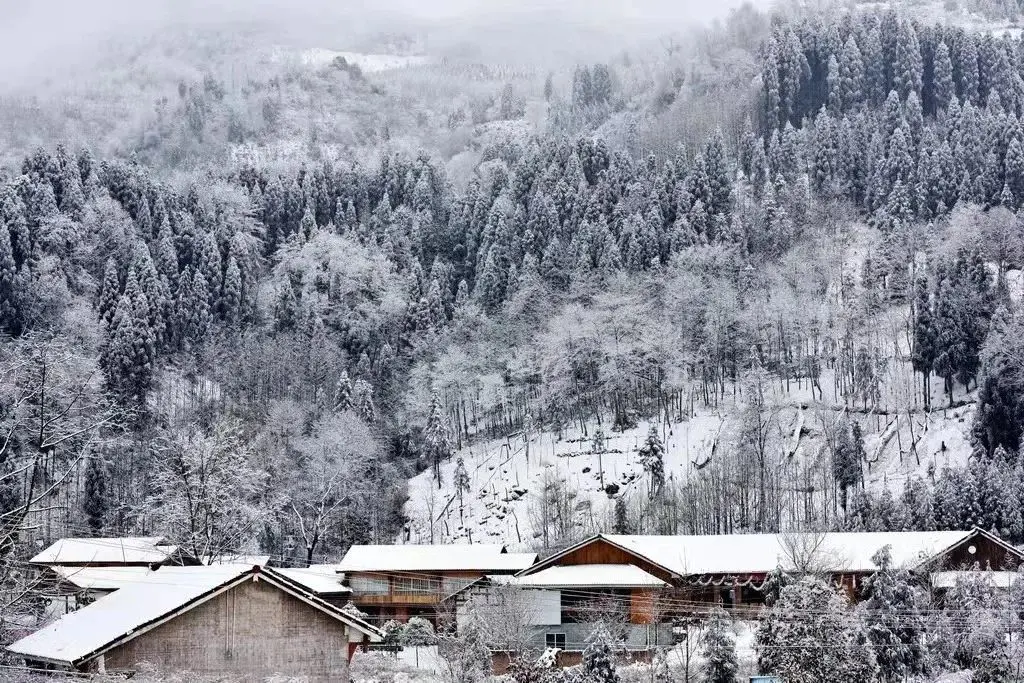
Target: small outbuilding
[224, 620]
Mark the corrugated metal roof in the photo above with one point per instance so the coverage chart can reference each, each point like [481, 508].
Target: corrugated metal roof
[102, 578]
[418, 558]
[591, 576]
[756, 553]
[135, 550]
[84, 631]
[320, 579]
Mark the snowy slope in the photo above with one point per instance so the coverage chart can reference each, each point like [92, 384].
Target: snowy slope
[368, 63]
[508, 476]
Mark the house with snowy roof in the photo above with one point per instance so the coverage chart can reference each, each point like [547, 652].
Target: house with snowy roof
[73, 572]
[137, 551]
[237, 621]
[644, 584]
[403, 581]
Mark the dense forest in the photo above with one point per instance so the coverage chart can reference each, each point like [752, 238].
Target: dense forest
[255, 356]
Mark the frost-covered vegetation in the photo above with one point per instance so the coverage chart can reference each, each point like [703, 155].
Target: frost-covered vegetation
[759, 276]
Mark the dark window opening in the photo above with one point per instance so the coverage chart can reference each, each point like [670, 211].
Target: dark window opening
[554, 640]
[609, 606]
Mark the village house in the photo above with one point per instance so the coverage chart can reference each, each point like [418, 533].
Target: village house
[113, 552]
[223, 620]
[403, 581]
[646, 585]
[74, 572]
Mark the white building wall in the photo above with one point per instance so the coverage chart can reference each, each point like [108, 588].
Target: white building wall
[543, 607]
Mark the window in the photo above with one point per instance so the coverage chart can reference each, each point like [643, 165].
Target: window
[368, 585]
[594, 606]
[415, 584]
[554, 640]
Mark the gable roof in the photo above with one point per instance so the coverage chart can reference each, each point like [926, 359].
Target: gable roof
[104, 578]
[319, 579]
[134, 609]
[128, 550]
[591, 576]
[418, 558]
[761, 553]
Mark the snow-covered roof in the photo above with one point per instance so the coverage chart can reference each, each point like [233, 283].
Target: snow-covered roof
[591, 576]
[418, 558]
[129, 611]
[994, 579]
[102, 578]
[131, 550]
[320, 579]
[758, 553]
[251, 560]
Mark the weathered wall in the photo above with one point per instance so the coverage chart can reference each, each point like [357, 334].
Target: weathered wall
[250, 632]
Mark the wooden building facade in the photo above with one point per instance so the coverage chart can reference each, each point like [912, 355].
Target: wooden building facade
[249, 624]
[400, 582]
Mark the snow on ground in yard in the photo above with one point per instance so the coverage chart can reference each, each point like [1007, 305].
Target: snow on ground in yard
[400, 667]
[369, 63]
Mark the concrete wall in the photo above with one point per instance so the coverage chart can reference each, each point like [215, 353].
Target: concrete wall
[636, 636]
[250, 632]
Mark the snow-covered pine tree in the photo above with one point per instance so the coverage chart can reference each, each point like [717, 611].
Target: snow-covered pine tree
[437, 435]
[894, 617]
[362, 400]
[652, 455]
[343, 393]
[461, 482]
[96, 491]
[809, 635]
[720, 662]
[599, 656]
[418, 632]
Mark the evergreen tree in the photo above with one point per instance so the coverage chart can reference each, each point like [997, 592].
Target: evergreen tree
[809, 635]
[968, 70]
[128, 354]
[110, 290]
[652, 455]
[437, 435]
[599, 658]
[622, 525]
[462, 483]
[231, 294]
[999, 415]
[894, 617]
[307, 225]
[908, 69]
[851, 75]
[922, 355]
[8, 282]
[943, 87]
[343, 393]
[848, 458]
[96, 491]
[720, 662]
[362, 400]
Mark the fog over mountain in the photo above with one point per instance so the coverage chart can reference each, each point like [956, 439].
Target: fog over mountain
[45, 38]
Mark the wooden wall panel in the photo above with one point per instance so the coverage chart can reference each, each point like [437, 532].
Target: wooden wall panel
[251, 632]
[600, 551]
